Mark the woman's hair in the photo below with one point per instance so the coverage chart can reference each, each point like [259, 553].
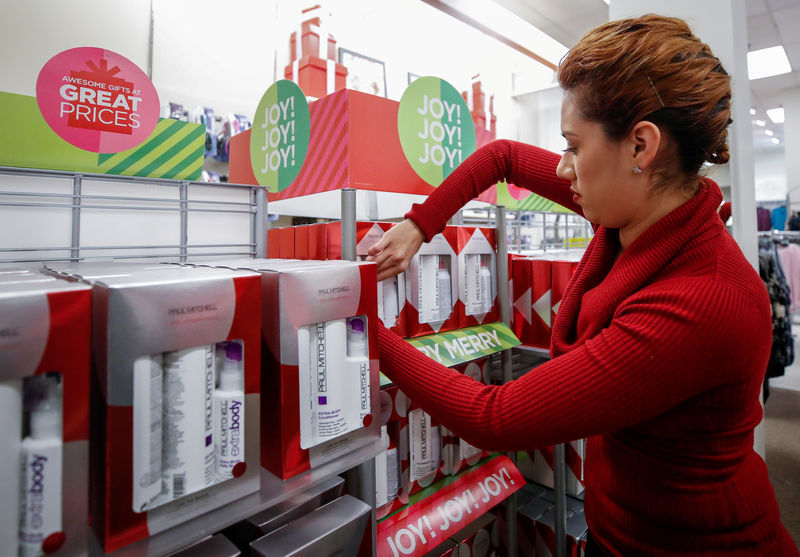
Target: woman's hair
[653, 68]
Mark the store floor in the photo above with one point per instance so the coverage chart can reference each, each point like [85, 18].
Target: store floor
[782, 435]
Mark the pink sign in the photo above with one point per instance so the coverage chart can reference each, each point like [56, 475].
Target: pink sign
[97, 100]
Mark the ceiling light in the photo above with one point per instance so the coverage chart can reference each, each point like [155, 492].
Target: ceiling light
[769, 133]
[775, 140]
[761, 123]
[767, 62]
[752, 112]
[776, 115]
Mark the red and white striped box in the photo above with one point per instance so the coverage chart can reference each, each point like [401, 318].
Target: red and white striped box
[477, 268]
[45, 328]
[531, 301]
[537, 466]
[392, 302]
[560, 273]
[431, 303]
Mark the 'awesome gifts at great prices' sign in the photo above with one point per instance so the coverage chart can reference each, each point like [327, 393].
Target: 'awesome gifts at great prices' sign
[425, 524]
[435, 128]
[280, 135]
[97, 100]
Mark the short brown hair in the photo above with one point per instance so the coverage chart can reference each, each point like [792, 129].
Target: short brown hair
[653, 68]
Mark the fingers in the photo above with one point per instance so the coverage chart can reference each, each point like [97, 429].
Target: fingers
[376, 248]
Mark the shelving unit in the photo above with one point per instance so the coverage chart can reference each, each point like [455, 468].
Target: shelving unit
[181, 202]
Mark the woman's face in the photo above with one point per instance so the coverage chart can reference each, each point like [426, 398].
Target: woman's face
[600, 170]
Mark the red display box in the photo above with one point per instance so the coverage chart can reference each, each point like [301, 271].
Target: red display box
[354, 143]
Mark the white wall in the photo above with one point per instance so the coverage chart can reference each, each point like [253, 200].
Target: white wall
[225, 55]
[33, 32]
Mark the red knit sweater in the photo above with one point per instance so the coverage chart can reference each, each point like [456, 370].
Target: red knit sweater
[658, 359]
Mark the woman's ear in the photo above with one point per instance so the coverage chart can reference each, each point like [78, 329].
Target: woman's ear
[644, 139]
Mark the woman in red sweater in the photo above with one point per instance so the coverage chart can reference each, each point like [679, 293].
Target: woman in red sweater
[663, 335]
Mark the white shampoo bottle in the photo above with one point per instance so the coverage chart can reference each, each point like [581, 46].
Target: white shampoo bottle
[486, 297]
[40, 494]
[188, 443]
[358, 367]
[423, 445]
[444, 289]
[229, 412]
[148, 393]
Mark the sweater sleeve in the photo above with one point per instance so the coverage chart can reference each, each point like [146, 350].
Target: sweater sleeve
[654, 355]
[523, 165]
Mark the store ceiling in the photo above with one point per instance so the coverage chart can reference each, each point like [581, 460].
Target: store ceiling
[769, 23]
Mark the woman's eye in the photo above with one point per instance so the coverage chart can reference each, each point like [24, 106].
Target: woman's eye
[572, 150]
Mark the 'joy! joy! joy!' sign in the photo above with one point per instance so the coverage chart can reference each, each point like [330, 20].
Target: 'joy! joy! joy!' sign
[280, 135]
[435, 128]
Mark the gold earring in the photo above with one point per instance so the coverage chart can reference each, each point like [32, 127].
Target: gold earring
[636, 169]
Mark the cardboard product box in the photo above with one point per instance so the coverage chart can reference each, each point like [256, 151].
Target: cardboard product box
[475, 539]
[560, 273]
[458, 454]
[45, 328]
[477, 283]
[576, 530]
[280, 243]
[537, 466]
[212, 546]
[545, 530]
[318, 241]
[301, 242]
[394, 417]
[421, 460]
[160, 338]
[246, 531]
[307, 304]
[392, 303]
[342, 527]
[273, 243]
[286, 242]
[531, 298]
[431, 302]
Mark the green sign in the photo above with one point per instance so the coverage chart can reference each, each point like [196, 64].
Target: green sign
[280, 135]
[517, 199]
[464, 345]
[173, 150]
[435, 128]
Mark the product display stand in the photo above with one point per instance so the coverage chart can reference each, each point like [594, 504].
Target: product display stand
[361, 479]
[505, 317]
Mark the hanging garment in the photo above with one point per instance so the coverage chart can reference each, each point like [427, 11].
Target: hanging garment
[782, 353]
[763, 218]
[779, 218]
[790, 262]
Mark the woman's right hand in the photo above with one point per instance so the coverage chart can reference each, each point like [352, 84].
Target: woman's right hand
[396, 248]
